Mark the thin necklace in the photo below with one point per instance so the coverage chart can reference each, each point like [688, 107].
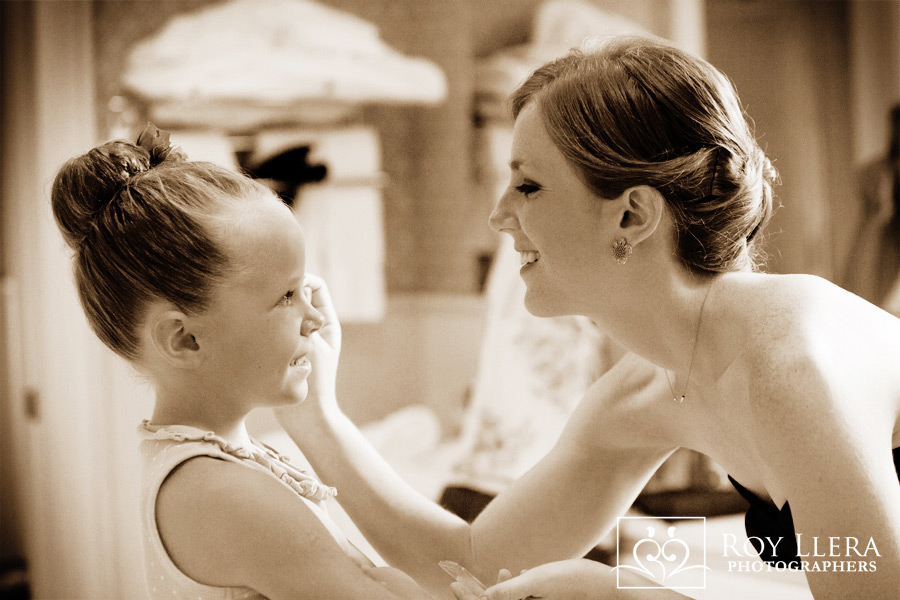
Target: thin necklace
[676, 398]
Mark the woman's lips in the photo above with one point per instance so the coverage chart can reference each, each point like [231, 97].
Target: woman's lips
[528, 257]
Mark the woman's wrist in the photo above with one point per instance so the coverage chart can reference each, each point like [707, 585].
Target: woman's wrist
[311, 418]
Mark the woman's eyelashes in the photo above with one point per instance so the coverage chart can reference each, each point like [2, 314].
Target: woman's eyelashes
[527, 188]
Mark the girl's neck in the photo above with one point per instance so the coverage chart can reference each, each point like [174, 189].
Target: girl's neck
[230, 427]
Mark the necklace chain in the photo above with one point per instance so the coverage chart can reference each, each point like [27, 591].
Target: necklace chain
[676, 398]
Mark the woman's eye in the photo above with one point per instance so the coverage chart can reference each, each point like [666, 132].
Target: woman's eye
[287, 299]
[527, 189]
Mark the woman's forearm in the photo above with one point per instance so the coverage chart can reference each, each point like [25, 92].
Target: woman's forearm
[410, 531]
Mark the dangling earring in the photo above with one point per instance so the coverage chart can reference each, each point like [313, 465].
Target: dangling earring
[621, 251]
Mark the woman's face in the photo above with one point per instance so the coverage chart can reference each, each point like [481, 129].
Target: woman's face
[561, 229]
[258, 325]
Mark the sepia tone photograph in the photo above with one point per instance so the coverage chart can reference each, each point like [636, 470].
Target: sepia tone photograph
[449, 299]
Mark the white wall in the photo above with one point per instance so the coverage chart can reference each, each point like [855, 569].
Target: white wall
[73, 462]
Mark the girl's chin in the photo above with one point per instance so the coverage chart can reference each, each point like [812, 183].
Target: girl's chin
[297, 394]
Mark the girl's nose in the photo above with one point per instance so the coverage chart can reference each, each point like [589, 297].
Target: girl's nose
[311, 323]
[501, 218]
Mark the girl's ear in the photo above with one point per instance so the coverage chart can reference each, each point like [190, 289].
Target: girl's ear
[641, 209]
[174, 336]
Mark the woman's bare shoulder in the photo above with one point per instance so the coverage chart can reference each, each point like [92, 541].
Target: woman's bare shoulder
[818, 349]
[806, 320]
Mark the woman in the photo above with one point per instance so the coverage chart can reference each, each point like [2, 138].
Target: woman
[636, 197]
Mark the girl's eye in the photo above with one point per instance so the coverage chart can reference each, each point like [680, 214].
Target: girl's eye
[287, 299]
[527, 189]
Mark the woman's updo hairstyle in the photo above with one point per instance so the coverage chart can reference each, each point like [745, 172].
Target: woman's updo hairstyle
[144, 224]
[638, 111]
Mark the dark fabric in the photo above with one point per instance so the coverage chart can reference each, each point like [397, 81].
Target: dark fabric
[765, 520]
[464, 502]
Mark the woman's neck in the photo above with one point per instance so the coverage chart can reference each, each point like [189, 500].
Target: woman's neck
[668, 321]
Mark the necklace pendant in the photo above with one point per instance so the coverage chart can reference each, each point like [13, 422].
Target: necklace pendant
[678, 400]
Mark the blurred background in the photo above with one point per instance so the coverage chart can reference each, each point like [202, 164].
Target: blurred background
[384, 122]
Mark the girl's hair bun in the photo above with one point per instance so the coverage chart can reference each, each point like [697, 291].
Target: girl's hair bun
[87, 184]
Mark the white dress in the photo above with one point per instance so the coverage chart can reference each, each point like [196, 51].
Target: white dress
[165, 448]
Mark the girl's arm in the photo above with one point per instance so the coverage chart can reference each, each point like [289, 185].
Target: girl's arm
[225, 524]
[557, 510]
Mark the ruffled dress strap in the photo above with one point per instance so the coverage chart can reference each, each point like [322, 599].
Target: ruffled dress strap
[305, 484]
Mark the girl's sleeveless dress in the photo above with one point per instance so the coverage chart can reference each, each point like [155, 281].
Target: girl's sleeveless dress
[165, 448]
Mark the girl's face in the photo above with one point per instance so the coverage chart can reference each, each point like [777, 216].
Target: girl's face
[562, 230]
[258, 326]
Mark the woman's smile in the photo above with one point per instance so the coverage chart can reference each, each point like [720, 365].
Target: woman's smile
[529, 257]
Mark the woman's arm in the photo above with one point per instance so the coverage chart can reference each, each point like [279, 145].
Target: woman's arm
[407, 529]
[394, 518]
[577, 579]
[573, 496]
[557, 510]
[226, 524]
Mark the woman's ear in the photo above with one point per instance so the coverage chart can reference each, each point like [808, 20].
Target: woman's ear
[174, 335]
[641, 209]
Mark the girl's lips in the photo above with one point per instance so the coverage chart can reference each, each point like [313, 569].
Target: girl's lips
[302, 364]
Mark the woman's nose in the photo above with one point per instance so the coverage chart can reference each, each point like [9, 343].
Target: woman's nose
[312, 322]
[501, 218]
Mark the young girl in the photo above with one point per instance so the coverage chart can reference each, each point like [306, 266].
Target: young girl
[195, 275]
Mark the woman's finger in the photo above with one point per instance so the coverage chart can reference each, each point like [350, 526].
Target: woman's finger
[513, 588]
[464, 592]
[320, 298]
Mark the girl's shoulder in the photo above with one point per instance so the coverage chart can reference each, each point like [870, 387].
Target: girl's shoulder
[221, 521]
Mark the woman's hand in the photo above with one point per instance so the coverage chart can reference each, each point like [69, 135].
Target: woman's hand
[464, 589]
[327, 341]
[324, 357]
[397, 582]
[577, 579]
